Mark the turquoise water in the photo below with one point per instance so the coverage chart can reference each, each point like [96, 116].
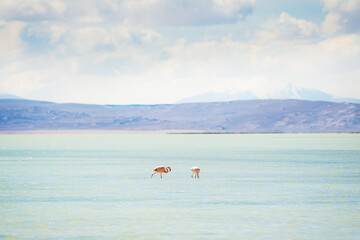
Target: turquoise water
[285, 186]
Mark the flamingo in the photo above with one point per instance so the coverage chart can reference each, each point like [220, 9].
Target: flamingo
[160, 169]
[195, 170]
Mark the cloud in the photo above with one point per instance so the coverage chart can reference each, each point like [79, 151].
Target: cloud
[232, 7]
[343, 16]
[186, 12]
[11, 45]
[130, 74]
[22, 83]
[98, 50]
[148, 12]
[339, 54]
[23, 10]
[67, 39]
[104, 53]
[285, 28]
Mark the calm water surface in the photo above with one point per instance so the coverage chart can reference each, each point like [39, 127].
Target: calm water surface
[286, 186]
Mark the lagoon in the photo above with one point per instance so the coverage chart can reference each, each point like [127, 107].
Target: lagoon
[251, 186]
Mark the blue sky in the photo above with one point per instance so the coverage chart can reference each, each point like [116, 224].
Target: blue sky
[161, 51]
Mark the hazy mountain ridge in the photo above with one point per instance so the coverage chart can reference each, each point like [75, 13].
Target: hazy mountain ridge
[235, 116]
[290, 91]
[8, 96]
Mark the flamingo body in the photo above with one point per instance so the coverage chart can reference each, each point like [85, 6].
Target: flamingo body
[195, 170]
[161, 169]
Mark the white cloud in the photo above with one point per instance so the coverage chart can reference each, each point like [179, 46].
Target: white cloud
[185, 12]
[232, 7]
[109, 50]
[339, 54]
[11, 45]
[114, 62]
[85, 39]
[332, 23]
[285, 28]
[56, 33]
[31, 10]
[123, 64]
[343, 16]
[342, 5]
[148, 12]
[190, 68]
[22, 83]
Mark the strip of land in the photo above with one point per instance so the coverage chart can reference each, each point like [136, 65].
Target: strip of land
[100, 132]
[247, 116]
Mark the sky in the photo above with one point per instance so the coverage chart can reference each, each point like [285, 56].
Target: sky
[162, 51]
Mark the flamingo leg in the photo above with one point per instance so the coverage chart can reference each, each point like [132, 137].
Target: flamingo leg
[152, 174]
[160, 175]
[198, 175]
[192, 175]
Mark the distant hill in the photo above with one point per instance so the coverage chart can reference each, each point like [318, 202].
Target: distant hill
[290, 91]
[220, 97]
[248, 116]
[8, 96]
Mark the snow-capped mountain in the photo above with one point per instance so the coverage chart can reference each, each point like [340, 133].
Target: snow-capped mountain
[290, 91]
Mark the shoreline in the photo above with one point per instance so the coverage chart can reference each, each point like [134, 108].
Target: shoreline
[93, 131]
[145, 132]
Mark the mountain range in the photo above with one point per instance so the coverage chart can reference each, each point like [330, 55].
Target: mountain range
[244, 116]
[290, 91]
[9, 96]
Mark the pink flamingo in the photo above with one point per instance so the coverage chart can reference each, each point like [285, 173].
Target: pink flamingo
[196, 171]
[161, 169]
